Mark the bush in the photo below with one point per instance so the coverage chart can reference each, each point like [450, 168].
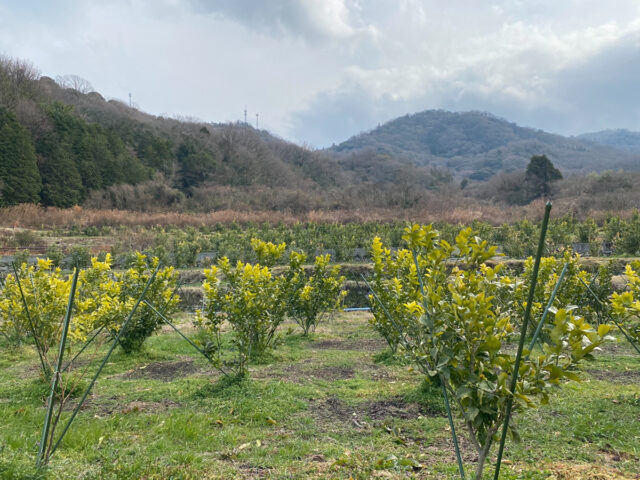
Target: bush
[252, 300]
[160, 294]
[55, 254]
[317, 297]
[628, 240]
[454, 329]
[79, 257]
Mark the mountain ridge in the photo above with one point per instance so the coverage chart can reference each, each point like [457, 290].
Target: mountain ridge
[619, 138]
[479, 145]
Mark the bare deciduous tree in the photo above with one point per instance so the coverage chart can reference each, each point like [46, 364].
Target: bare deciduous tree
[17, 78]
[75, 82]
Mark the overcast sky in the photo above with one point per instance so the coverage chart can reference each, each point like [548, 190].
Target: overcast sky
[320, 71]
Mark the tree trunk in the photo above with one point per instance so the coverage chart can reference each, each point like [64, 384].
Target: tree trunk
[482, 457]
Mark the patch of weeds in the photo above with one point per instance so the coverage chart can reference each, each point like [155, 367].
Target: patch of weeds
[18, 468]
[403, 464]
[222, 386]
[429, 396]
[389, 357]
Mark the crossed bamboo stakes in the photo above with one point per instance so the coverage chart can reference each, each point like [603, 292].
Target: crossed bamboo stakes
[48, 444]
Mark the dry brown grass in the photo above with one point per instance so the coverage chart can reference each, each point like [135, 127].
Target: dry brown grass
[37, 217]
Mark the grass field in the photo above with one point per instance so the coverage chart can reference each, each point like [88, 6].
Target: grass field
[332, 406]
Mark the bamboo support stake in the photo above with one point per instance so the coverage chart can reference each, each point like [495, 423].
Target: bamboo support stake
[56, 375]
[45, 368]
[523, 333]
[549, 304]
[106, 359]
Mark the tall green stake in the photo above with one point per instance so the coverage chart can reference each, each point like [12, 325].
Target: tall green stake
[42, 450]
[445, 395]
[523, 334]
[549, 305]
[45, 368]
[105, 360]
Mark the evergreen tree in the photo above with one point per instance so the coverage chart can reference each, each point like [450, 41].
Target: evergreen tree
[195, 164]
[19, 176]
[540, 173]
[61, 181]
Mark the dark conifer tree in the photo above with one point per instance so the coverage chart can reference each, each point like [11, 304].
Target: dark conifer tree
[19, 176]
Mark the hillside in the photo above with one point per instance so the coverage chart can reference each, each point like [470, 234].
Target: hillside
[621, 139]
[479, 145]
[64, 144]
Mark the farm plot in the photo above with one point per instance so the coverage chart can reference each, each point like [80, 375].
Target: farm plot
[332, 405]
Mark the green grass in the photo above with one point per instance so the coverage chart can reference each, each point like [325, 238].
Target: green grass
[330, 406]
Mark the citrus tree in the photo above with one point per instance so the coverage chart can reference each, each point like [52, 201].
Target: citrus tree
[625, 306]
[252, 300]
[33, 303]
[313, 298]
[447, 320]
[161, 294]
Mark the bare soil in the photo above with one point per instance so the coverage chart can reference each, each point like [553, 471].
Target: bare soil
[164, 371]
[627, 377]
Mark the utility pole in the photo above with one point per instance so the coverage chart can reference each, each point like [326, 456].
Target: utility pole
[257, 120]
[245, 114]
[130, 100]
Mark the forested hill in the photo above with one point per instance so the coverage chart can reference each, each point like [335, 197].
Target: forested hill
[62, 144]
[479, 145]
[621, 139]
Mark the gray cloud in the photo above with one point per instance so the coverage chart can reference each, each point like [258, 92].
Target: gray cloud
[319, 71]
[314, 20]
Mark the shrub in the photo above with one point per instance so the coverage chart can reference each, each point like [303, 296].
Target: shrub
[161, 294]
[626, 305]
[392, 289]
[251, 299]
[79, 257]
[313, 298]
[46, 292]
[455, 330]
[55, 254]
[27, 238]
[628, 240]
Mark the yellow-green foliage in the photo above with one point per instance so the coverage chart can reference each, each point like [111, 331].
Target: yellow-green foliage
[313, 298]
[572, 291]
[454, 328]
[103, 299]
[626, 305]
[46, 292]
[161, 294]
[268, 253]
[394, 283]
[252, 300]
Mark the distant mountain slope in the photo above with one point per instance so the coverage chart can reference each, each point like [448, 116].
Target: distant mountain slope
[83, 148]
[621, 139]
[479, 145]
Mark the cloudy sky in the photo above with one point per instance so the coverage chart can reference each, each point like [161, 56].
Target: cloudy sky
[319, 71]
